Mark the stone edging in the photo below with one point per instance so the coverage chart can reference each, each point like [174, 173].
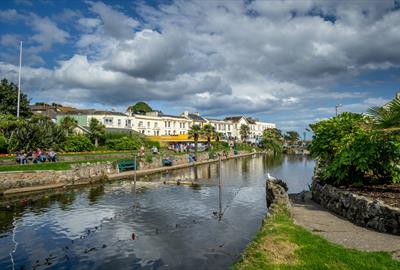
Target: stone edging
[277, 196]
[81, 174]
[358, 209]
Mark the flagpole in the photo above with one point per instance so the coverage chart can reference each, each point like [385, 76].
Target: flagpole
[19, 77]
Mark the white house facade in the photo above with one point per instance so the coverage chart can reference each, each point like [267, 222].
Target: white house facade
[158, 124]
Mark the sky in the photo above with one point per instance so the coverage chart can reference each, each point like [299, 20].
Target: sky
[287, 62]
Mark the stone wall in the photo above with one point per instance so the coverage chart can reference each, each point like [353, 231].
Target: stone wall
[358, 209]
[277, 196]
[79, 173]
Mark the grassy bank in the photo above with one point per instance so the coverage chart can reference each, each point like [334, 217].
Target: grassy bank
[280, 244]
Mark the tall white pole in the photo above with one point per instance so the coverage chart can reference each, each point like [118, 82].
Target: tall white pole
[19, 77]
[220, 188]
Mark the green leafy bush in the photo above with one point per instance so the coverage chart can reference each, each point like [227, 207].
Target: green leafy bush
[3, 144]
[124, 143]
[78, 143]
[350, 152]
[150, 144]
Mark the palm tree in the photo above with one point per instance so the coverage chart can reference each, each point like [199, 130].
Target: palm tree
[97, 130]
[208, 131]
[194, 132]
[68, 124]
[244, 132]
[386, 117]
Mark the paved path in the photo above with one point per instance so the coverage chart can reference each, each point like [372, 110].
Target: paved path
[313, 217]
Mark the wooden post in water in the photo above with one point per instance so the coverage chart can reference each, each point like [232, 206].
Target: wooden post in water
[134, 178]
[220, 188]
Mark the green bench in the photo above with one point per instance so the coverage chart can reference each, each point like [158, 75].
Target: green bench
[126, 165]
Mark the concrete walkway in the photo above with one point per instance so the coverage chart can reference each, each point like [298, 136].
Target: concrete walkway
[313, 217]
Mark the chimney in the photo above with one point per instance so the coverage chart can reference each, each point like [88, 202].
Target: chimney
[185, 113]
[196, 113]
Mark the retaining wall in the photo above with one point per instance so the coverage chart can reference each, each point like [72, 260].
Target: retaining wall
[277, 196]
[359, 209]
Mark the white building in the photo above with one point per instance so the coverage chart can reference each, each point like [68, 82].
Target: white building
[158, 124]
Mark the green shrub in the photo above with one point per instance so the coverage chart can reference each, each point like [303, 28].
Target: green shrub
[149, 144]
[350, 152]
[124, 143]
[3, 144]
[220, 146]
[78, 143]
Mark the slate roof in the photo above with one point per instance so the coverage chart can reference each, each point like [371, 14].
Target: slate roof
[196, 117]
[233, 118]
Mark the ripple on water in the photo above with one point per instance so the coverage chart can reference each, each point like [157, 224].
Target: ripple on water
[173, 226]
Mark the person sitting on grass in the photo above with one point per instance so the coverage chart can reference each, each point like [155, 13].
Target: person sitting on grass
[21, 157]
[42, 156]
[51, 156]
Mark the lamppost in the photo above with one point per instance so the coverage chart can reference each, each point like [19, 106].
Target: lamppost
[336, 108]
[19, 78]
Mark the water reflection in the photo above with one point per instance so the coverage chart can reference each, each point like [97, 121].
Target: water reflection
[173, 226]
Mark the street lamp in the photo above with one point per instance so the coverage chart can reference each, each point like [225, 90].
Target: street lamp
[336, 108]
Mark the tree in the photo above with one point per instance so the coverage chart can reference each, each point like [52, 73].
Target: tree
[140, 108]
[244, 132]
[386, 117]
[292, 136]
[97, 131]
[39, 131]
[8, 100]
[194, 132]
[349, 151]
[208, 131]
[68, 124]
[272, 140]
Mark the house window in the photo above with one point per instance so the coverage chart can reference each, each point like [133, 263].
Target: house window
[119, 122]
[148, 124]
[140, 124]
[128, 123]
[108, 121]
[155, 124]
[183, 125]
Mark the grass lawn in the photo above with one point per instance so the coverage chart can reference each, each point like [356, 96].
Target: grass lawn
[280, 244]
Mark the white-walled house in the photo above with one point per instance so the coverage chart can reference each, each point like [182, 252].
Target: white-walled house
[158, 124]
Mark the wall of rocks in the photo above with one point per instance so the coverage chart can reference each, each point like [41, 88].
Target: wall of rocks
[79, 173]
[358, 209]
[277, 196]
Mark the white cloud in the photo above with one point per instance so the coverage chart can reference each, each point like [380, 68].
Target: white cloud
[224, 57]
[115, 23]
[46, 32]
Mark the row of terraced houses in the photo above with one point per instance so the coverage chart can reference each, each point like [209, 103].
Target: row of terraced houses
[158, 124]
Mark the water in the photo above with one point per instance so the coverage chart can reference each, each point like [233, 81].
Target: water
[161, 227]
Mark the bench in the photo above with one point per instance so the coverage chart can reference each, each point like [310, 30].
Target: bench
[126, 165]
[167, 162]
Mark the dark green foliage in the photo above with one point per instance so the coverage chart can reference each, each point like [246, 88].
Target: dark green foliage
[3, 144]
[97, 131]
[272, 140]
[244, 132]
[140, 108]
[124, 143]
[350, 152]
[36, 132]
[386, 117]
[149, 144]
[209, 132]
[78, 143]
[220, 146]
[292, 136]
[8, 100]
[68, 124]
